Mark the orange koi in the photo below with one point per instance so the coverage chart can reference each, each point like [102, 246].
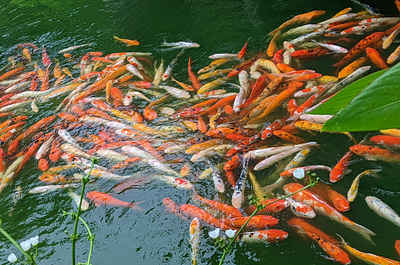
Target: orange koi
[78, 111]
[386, 140]
[397, 242]
[360, 47]
[257, 222]
[43, 164]
[102, 59]
[368, 258]
[192, 211]
[126, 163]
[309, 53]
[276, 102]
[233, 163]
[127, 41]
[201, 124]
[12, 73]
[284, 68]
[55, 150]
[302, 18]
[292, 106]
[4, 138]
[271, 50]
[375, 153]
[100, 198]
[339, 169]
[31, 150]
[226, 209]
[349, 69]
[319, 205]
[256, 90]
[193, 78]
[117, 96]
[333, 197]
[376, 58]
[288, 137]
[243, 66]
[45, 58]
[220, 103]
[271, 208]
[67, 117]
[223, 131]
[35, 127]
[326, 242]
[278, 57]
[243, 51]
[55, 178]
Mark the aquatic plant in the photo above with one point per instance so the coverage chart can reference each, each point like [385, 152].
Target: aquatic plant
[357, 106]
[26, 245]
[76, 215]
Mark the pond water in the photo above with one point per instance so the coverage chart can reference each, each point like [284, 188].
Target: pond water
[125, 236]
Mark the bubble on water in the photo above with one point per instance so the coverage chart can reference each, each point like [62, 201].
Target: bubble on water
[299, 173]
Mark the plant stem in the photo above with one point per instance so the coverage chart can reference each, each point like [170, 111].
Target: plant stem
[28, 257]
[74, 236]
[228, 248]
[91, 238]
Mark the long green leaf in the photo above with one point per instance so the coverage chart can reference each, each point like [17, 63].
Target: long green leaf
[341, 99]
[377, 107]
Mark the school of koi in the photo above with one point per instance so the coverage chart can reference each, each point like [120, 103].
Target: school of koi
[124, 113]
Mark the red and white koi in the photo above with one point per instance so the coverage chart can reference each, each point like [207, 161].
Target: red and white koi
[270, 236]
[168, 70]
[322, 207]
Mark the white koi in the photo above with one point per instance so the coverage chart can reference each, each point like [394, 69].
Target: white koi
[382, 209]
[76, 198]
[162, 167]
[49, 188]
[171, 65]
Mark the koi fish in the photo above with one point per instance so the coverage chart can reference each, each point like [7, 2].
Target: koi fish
[302, 18]
[270, 236]
[326, 242]
[368, 258]
[192, 211]
[49, 188]
[194, 231]
[300, 209]
[238, 194]
[352, 193]
[375, 153]
[390, 141]
[360, 47]
[229, 211]
[256, 222]
[322, 207]
[127, 41]
[180, 45]
[331, 196]
[376, 58]
[100, 198]
[382, 209]
[339, 170]
[393, 56]
[74, 47]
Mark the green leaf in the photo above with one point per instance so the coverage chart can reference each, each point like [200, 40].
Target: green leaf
[377, 107]
[341, 99]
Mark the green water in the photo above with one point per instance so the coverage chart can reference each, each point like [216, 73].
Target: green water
[124, 236]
